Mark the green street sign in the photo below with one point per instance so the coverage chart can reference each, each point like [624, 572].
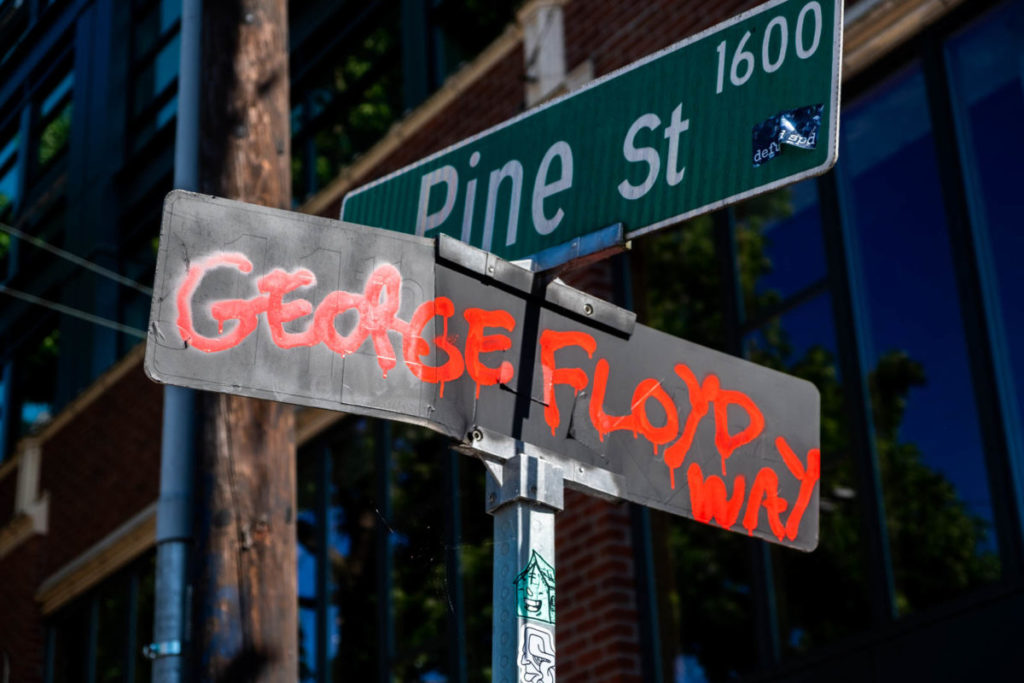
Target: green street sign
[744, 107]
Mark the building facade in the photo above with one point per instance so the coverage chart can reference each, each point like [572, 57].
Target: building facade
[891, 283]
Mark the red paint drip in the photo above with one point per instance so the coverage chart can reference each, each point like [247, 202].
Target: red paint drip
[551, 341]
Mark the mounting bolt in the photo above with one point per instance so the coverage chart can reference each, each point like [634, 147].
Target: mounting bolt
[476, 435]
[588, 309]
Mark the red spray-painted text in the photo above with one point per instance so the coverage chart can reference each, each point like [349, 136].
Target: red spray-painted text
[377, 315]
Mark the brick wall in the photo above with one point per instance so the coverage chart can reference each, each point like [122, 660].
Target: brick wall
[21, 627]
[614, 34]
[103, 467]
[598, 636]
[99, 469]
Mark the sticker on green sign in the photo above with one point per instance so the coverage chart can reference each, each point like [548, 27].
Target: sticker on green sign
[796, 128]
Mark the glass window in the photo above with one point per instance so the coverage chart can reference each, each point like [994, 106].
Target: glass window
[350, 556]
[677, 280]
[473, 554]
[112, 637]
[355, 521]
[155, 48]
[156, 75]
[802, 342]
[54, 128]
[420, 592]
[154, 20]
[709, 602]
[343, 106]
[937, 502]
[465, 27]
[7, 408]
[144, 585]
[705, 575]
[411, 533]
[15, 22]
[69, 643]
[307, 532]
[115, 617]
[9, 183]
[36, 383]
[780, 265]
[987, 85]
[779, 246]
[345, 96]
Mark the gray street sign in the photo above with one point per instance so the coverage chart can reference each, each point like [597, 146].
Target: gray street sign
[288, 307]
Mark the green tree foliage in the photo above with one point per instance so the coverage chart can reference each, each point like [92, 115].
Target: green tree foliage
[940, 548]
[54, 136]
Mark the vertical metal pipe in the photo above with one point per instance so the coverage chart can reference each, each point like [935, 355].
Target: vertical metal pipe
[186, 141]
[173, 535]
[177, 447]
[524, 502]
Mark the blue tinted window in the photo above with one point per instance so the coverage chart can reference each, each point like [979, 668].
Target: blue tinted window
[54, 97]
[10, 149]
[938, 506]
[9, 183]
[6, 403]
[153, 23]
[779, 241]
[157, 75]
[54, 130]
[987, 86]
[803, 343]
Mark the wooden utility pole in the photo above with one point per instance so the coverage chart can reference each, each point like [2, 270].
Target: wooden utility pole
[245, 623]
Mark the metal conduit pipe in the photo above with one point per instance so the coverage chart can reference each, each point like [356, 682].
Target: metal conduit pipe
[177, 447]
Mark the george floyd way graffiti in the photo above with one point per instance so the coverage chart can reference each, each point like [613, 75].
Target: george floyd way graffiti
[311, 311]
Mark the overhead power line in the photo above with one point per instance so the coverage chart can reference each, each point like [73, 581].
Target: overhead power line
[77, 260]
[73, 312]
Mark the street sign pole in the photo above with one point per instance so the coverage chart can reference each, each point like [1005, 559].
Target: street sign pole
[524, 495]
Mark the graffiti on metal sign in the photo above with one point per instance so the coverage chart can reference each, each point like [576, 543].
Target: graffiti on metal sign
[535, 590]
[669, 428]
[537, 660]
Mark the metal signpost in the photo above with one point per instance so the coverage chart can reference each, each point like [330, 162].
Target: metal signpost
[744, 107]
[547, 385]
